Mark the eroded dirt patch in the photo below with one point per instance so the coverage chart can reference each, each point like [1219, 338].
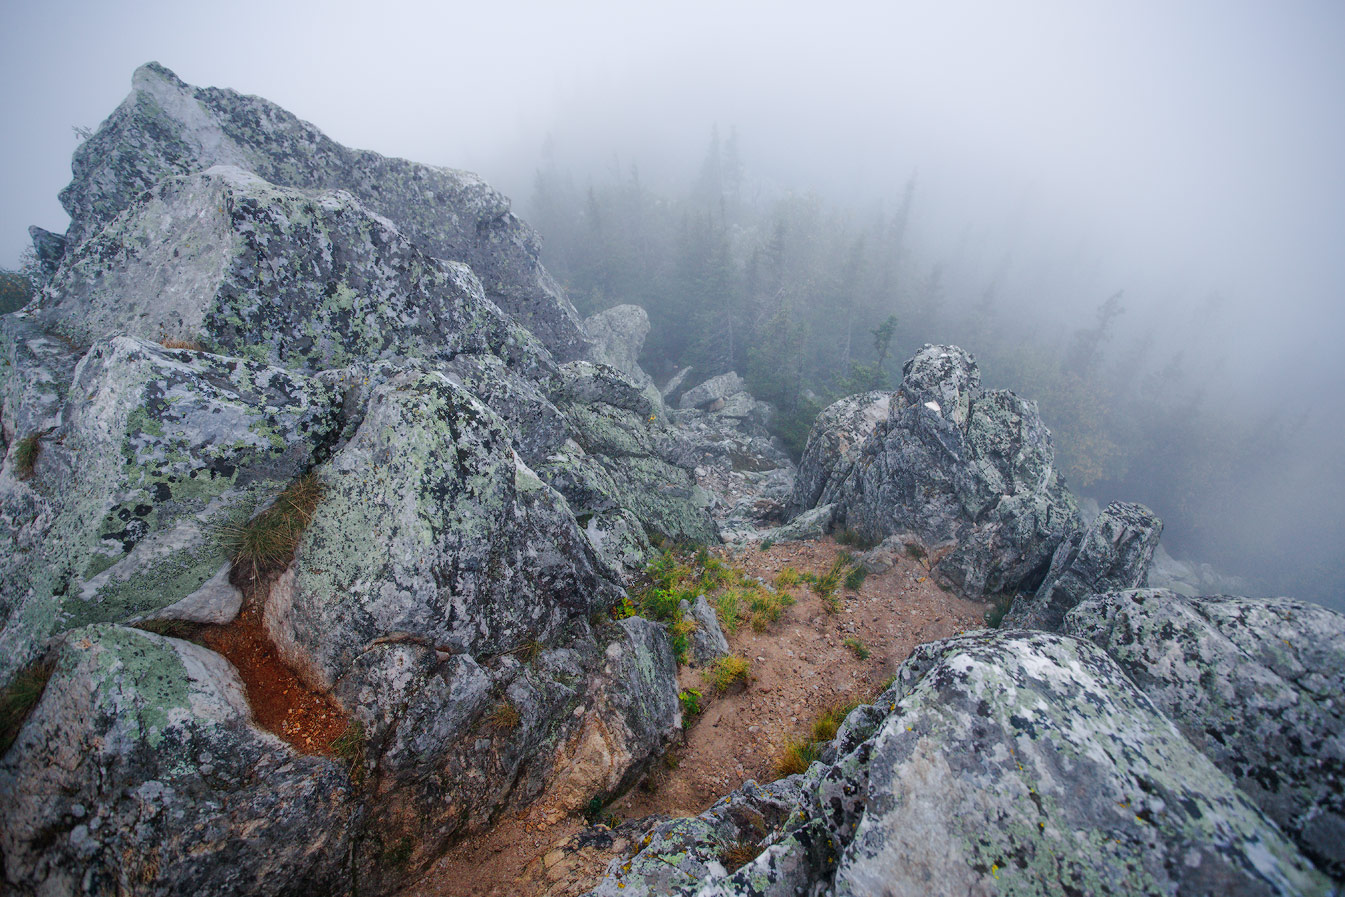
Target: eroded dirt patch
[801, 665]
[282, 704]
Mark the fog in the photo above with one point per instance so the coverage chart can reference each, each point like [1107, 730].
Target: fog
[1063, 151]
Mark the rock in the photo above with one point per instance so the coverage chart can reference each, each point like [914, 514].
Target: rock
[964, 469]
[708, 643]
[431, 526]
[1257, 684]
[158, 455]
[618, 335]
[48, 248]
[165, 128]
[883, 556]
[305, 279]
[140, 771]
[1111, 554]
[806, 527]
[619, 540]
[1021, 762]
[712, 390]
[537, 429]
[669, 391]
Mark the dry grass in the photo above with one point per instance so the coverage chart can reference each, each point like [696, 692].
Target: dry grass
[26, 451]
[503, 717]
[799, 753]
[796, 757]
[728, 672]
[787, 578]
[18, 700]
[265, 544]
[740, 853]
[190, 345]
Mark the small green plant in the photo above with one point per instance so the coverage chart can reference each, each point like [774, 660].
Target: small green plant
[858, 647]
[26, 451]
[681, 630]
[729, 608]
[828, 722]
[265, 544]
[787, 578]
[19, 698]
[855, 578]
[690, 699]
[738, 854]
[727, 672]
[914, 551]
[766, 544]
[503, 717]
[595, 812]
[528, 651]
[622, 609]
[826, 584]
[765, 606]
[349, 745]
[796, 757]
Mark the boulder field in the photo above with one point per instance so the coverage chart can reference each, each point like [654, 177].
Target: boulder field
[247, 325]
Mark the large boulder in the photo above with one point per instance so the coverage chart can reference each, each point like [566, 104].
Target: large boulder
[1257, 684]
[140, 771]
[165, 127]
[1111, 554]
[971, 472]
[1010, 762]
[308, 279]
[157, 456]
[618, 335]
[716, 390]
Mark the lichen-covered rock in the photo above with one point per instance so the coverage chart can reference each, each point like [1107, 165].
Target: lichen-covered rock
[304, 279]
[1111, 554]
[810, 525]
[707, 639]
[616, 426]
[536, 427]
[431, 525]
[715, 390]
[962, 468]
[158, 453]
[141, 772]
[1010, 762]
[618, 335]
[165, 128]
[1257, 684]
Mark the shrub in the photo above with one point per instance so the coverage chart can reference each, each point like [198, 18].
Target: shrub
[766, 544]
[729, 608]
[690, 699]
[859, 648]
[728, 671]
[826, 584]
[265, 544]
[765, 607]
[19, 698]
[681, 630]
[855, 578]
[787, 577]
[26, 451]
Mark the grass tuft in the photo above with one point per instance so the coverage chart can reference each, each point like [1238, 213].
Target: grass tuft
[727, 672]
[190, 345]
[796, 757]
[740, 853]
[503, 717]
[787, 578]
[855, 578]
[690, 699]
[826, 584]
[19, 698]
[858, 647]
[265, 544]
[26, 451]
[349, 745]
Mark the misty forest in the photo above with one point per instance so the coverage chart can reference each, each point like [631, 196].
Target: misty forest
[581, 450]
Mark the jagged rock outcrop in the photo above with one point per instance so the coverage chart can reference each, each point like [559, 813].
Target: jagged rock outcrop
[306, 279]
[1257, 684]
[1111, 554]
[618, 335]
[166, 127]
[140, 771]
[1020, 762]
[971, 472]
[141, 478]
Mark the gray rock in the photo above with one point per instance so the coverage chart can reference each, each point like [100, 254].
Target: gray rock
[806, 527]
[165, 127]
[618, 335]
[305, 279]
[158, 454]
[48, 249]
[884, 556]
[140, 771]
[1019, 762]
[1257, 684]
[1111, 554]
[715, 389]
[707, 639]
[669, 391]
[619, 540]
[968, 471]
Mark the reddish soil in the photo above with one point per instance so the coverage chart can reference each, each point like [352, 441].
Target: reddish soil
[800, 667]
[282, 704]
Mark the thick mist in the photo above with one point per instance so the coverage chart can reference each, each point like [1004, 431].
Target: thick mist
[1185, 156]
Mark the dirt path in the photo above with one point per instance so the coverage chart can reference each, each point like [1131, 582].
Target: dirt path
[800, 667]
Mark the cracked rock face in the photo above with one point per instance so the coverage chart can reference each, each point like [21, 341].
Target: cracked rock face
[1257, 684]
[1112, 553]
[970, 470]
[165, 127]
[1006, 762]
[140, 772]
